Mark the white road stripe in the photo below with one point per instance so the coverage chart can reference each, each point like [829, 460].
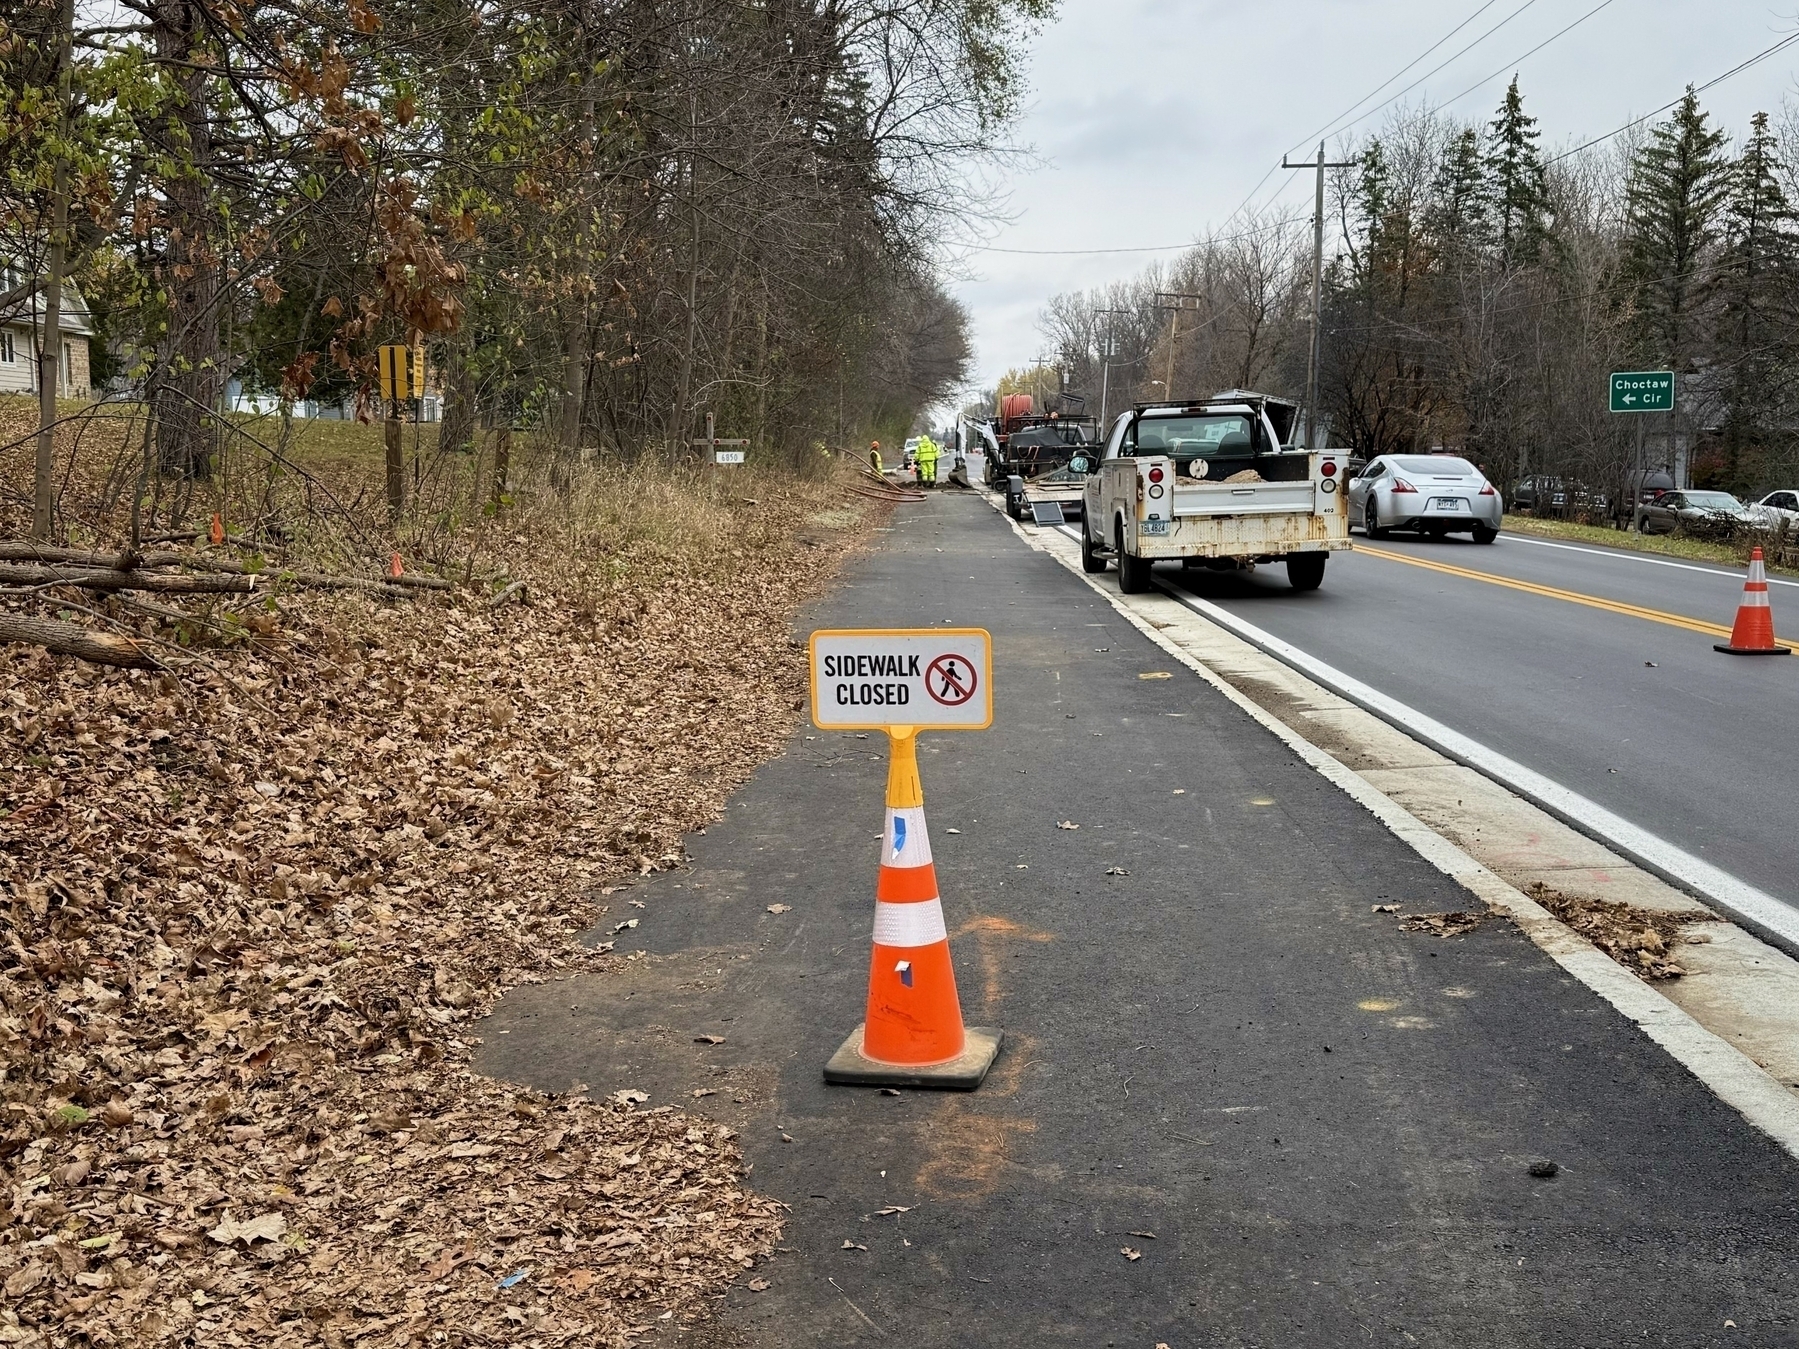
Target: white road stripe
[1771, 918]
[1637, 557]
[1725, 1070]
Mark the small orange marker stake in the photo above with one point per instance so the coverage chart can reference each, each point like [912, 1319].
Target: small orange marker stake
[394, 568]
[217, 532]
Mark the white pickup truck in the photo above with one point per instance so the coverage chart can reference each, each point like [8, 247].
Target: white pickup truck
[1210, 481]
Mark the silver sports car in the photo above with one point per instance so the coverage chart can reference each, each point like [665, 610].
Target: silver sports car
[1436, 494]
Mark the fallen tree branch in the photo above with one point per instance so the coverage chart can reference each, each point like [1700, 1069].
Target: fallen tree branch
[71, 639]
[515, 591]
[109, 579]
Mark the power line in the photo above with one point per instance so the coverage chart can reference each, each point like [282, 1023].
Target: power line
[1337, 123]
[1511, 65]
[1151, 248]
[1341, 125]
[1786, 41]
[1307, 139]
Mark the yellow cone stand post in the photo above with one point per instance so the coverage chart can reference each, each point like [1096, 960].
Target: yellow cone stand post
[913, 1035]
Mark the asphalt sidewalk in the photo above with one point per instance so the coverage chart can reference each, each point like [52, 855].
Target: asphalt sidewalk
[1325, 1122]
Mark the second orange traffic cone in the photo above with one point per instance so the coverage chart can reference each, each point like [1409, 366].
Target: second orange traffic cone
[913, 1035]
[1753, 632]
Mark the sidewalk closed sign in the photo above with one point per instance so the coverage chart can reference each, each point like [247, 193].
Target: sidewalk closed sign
[931, 679]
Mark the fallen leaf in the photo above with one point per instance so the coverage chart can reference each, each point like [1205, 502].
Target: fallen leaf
[708, 1039]
[849, 1245]
[893, 1208]
[1150, 1235]
[447, 1261]
[759, 1285]
[580, 1280]
[22, 1281]
[779, 908]
[1067, 824]
[1130, 1254]
[630, 1096]
[1117, 871]
[1157, 674]
[704, 1091]
[263, 1227]
[1383, 908]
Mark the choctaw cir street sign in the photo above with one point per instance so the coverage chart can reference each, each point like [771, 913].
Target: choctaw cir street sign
[1642, 391]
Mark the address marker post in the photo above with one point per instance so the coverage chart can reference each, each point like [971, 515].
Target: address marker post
[903, 681]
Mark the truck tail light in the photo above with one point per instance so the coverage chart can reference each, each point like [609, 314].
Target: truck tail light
[1155, 475]
[1328, 468]
[1401, 485]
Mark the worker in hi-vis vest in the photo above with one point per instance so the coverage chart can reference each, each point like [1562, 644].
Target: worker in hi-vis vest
[874, 456]
[926, 454]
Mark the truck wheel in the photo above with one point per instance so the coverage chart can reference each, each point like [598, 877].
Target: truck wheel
[1133, 572]
[1305, 571]
[1091, 562]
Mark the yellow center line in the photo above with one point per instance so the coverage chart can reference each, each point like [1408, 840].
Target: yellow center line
[1571, 596]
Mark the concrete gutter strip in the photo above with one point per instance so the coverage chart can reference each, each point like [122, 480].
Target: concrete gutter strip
[1760, 912]
[1726, 1071]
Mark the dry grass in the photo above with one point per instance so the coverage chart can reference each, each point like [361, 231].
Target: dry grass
[1665, 545]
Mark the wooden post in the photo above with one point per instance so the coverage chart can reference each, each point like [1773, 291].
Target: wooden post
[502, 463]
[396, 464]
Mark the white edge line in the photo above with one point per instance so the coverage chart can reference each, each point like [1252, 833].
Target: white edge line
[1628, 556]
[1728, 1073]
[1767, 916]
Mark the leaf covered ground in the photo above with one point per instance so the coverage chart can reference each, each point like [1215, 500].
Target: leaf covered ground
[256, 906]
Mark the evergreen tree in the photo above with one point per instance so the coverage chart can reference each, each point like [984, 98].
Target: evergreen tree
[1520, 201]
[1677, 186]
[1459, 214]
[1757, 273]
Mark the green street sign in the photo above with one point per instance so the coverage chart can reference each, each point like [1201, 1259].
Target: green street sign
[1642, 391]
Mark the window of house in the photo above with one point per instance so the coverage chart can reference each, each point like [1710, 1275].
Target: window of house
[8, 354]
[66, 371]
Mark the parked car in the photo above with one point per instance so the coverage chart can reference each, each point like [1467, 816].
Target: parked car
[1544, 494]
[1641, 486]
[1714, 514]
[1777, 510]
[1437, 494]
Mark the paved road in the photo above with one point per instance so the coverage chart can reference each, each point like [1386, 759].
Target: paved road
[1325, 1121]
[1640, 716]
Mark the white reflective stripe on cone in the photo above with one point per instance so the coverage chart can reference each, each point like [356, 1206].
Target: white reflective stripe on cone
[1755, 599]
[919, 924]
[907, 844]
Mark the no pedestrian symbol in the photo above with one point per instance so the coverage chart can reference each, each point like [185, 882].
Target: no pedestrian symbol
[951, 680]
[1642, 391]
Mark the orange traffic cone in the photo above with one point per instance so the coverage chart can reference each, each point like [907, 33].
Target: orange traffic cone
[217, 532]
[913, 1035]
[1753, 634]
[394, 568]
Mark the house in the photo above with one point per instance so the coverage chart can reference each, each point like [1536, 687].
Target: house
[20, 326]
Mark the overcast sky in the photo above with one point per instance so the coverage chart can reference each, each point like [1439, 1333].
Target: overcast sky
[1153, 119]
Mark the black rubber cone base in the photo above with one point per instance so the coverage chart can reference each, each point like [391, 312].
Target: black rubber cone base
[1752, 650]
[849, 1067]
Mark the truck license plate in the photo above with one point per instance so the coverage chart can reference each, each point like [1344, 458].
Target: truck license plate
[1153, 527]
[1449, 503]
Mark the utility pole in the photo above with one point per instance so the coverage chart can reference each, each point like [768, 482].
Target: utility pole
[1174, 301]
[1320, 166]
[1108, 348]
